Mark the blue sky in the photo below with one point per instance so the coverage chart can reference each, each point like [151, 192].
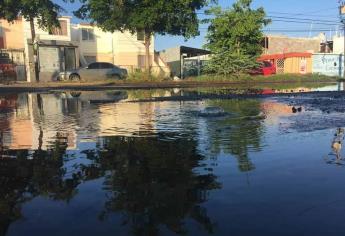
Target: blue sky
[318, 16]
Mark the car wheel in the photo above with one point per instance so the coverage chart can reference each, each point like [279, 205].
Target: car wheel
[75, 94]
[115, 76]
[74, 77]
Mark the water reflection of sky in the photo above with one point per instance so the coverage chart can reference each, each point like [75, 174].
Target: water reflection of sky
[98, 163]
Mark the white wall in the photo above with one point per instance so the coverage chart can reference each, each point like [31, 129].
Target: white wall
[338, 45]
[107, 42]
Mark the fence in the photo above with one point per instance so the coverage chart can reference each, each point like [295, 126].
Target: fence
[18, 58]
[163, 71]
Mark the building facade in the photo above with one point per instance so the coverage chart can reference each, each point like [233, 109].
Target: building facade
[120, 48]
[56, 51]
[72, 46]
[290, 63]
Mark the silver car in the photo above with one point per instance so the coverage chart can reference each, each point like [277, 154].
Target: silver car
[94, 71]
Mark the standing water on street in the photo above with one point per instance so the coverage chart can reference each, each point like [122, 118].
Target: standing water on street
[171, 162]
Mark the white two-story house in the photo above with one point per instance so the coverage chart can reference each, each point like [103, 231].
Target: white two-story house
[120, 48]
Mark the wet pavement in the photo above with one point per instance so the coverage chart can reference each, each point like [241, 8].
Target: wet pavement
[138, 162]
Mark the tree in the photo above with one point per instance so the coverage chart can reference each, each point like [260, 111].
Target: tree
[175, 17]
[46, 13]
[234, 37]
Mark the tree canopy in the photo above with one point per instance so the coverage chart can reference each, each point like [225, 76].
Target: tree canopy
[46, 12]
[174, 17]
[234, 37]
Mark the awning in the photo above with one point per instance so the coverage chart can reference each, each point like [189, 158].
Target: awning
[284, 56]
[193, 52]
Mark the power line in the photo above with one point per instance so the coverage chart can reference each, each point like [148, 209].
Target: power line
[300, 14]
[305, 22]
[303, 19]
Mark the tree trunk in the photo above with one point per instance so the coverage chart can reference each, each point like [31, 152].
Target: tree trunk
[147, 53]
[33, 38]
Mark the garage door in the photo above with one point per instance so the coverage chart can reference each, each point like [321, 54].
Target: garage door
[49, 59]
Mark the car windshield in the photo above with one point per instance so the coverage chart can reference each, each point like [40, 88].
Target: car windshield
[267, 64]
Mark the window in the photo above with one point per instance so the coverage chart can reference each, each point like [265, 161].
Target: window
[87, 34]
[141, 35]
[60, 31]
[106, 65]
[267, 64]
[94, 66]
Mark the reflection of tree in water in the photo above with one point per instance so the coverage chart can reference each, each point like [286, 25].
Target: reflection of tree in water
[153, 183]
[239, 133]
[25, 175]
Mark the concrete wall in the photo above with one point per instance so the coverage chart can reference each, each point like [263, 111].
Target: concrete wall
[172, 57]
[298, 65]
[284, 44]
[328, 64]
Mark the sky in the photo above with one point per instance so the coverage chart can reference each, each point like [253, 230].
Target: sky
[317, 16]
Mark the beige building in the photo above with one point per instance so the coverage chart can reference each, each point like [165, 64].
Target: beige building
[120, 48]
[56, 51]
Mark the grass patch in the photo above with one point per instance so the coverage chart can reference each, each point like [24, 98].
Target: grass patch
[139, 76]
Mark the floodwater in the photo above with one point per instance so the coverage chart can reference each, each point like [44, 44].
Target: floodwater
[116, 163]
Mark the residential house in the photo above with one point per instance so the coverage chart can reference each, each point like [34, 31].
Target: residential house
[120, 48]
[56, 51]
[72, 46]
[12, 42]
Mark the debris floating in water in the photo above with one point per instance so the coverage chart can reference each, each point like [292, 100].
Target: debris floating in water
[213, 112]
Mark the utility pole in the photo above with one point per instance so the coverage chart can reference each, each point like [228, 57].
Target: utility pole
[342, 19]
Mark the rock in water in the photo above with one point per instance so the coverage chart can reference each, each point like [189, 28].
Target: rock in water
[212, 112]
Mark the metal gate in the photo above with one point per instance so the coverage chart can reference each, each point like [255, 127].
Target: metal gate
[280, 66]
[18, 58]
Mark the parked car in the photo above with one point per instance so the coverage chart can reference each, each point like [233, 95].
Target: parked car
[94, 71]
[266, 68]
[7, 68]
